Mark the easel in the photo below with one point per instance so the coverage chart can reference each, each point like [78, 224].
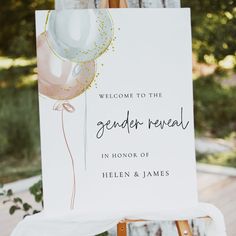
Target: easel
[183, 227]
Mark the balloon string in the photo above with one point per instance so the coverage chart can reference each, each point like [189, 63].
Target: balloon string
[73, 194]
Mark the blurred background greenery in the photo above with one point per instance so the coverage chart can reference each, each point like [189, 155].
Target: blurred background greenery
[214, 67]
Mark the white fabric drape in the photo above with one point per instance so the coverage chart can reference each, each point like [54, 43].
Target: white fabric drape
[75, 224]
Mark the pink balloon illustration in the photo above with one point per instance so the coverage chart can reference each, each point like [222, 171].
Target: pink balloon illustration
[62, 80]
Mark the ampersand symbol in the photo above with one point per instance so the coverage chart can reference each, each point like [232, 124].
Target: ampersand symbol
[136, 174]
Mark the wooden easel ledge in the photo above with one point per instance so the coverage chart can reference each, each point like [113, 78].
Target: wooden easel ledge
[182, 225]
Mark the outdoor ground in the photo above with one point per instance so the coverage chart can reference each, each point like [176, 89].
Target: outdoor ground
[218, 189]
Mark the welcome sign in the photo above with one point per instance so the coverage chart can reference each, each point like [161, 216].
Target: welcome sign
[116, 110]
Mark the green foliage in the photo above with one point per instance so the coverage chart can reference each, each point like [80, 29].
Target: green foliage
[214, 106]
[213, 21]
[37, 191]
[19, 129]
[17, 36]
[214, 28]
[17, 204]
[9, 193]
[222, 158]
[17, 199]
[13, 209]
[12, 169]
[15, 76]
[103, 234]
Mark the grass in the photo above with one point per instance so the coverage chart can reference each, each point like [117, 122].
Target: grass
[19, 129]
[19, 120]
[12, 169]
[19, 134]
[223, 159]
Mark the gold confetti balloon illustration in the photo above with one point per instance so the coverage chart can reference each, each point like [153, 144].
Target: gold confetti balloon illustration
[81, 35]
[61, 79]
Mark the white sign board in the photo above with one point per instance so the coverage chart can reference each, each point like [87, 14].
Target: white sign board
[116, 110]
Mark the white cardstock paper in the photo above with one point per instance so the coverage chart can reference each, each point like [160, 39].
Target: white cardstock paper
[116, 110]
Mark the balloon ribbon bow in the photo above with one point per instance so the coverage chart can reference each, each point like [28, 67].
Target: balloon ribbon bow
[64, 106]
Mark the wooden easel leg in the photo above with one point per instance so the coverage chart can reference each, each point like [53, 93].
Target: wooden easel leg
[122, 229]
[183, 228]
